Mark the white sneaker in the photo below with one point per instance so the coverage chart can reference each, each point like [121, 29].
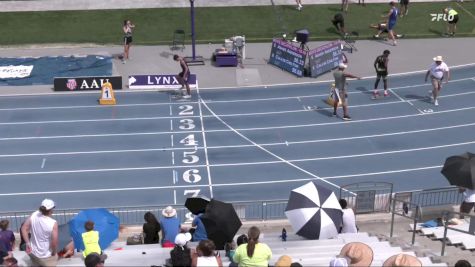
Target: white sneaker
[436, 103]
[187, 96]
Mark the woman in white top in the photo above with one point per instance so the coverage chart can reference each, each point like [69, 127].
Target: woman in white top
[43, 244]
[205, 255]
[348, 220]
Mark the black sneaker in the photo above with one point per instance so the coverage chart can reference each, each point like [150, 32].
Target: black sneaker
[346, 118]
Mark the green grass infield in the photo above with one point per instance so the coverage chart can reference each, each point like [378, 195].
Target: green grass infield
[213, 24]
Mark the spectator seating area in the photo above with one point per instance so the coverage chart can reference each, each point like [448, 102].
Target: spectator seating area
[455, 238]
[306, 252]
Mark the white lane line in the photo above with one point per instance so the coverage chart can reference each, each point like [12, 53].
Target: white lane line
[99, 190]
[43, 163]
[224, 115]
[174, 196]
[406, 101]
[466, 11]
[243, 129]
[171, 141]
[287, 143]
[258, 181]
[280, 160]
[324, 81]
[174, 176]
[173, 157]
[269, 152]
[385, 172]
[171, 112]
[222, 101]
[171, 125]
[203, 135]
[137, 91]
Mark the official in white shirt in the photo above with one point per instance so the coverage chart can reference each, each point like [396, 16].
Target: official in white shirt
[438, 71]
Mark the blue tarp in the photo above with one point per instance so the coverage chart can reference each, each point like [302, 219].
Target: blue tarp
[46, 68]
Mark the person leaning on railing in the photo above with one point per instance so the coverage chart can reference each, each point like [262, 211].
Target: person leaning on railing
[468, 202]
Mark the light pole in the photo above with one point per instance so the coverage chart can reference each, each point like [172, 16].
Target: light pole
[194, 59]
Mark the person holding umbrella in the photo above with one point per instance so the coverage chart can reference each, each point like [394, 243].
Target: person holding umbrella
[199, 232]
[468, 201]
[253, 253]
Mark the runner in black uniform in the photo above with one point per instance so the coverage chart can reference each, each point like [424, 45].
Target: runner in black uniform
[381, 67]
[183, 75]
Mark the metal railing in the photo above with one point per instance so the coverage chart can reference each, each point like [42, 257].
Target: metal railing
[368, 197]
[432, 197]
[410, 204]
[452, 214]
[246, 210]
[407, 210]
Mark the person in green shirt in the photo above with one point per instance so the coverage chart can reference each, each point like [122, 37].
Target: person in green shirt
[253, 253]
[90, 239]
[452, 19]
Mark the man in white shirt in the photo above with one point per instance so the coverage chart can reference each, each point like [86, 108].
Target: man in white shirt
[438, 71]
[43, 244]
[349, 219]
[468, 201]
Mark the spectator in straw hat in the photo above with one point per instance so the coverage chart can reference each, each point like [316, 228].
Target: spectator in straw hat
[283, 261]
[43, 245]
[357, 254]
[170, 226]
[402, 260]
[437, 71]
[339, 92]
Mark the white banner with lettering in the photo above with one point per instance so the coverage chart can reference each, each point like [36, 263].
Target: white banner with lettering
[9, 72]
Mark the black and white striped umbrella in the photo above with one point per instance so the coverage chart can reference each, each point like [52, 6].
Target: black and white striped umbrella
[314, 211]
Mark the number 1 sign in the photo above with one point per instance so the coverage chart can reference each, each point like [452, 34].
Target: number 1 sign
[107, 95]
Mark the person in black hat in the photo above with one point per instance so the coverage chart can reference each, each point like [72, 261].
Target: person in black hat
[381, 68]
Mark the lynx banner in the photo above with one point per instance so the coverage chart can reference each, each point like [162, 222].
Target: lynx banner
[160, 81]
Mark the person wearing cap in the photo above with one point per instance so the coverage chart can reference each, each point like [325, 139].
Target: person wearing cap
[437, 71]
[43, 244]
[95, 260]
[339, 93]
[180, 255]
[381, 68]
[402, 260]
[392, 20]
[171, 226]
[357, 254]
[452, 19]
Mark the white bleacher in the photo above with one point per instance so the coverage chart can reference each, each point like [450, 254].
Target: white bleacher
[307, 252]
[466, 241]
